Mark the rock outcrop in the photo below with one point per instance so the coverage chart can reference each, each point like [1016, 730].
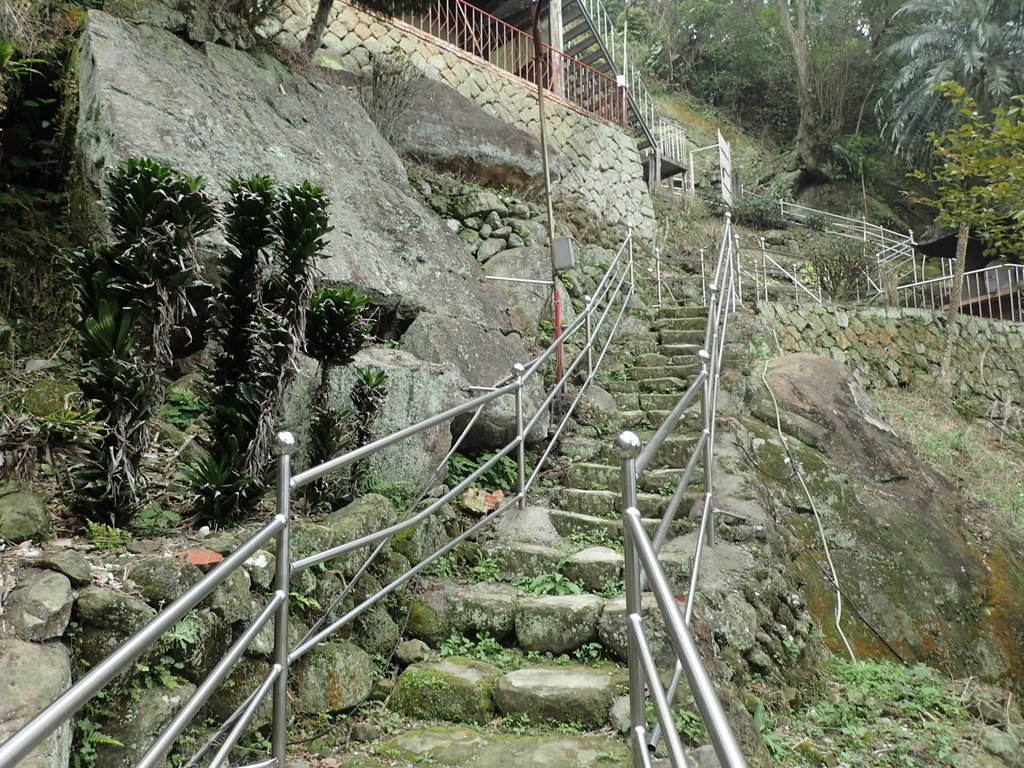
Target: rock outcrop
[224, 113]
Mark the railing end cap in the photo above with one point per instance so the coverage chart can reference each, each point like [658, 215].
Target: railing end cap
[285, 444]
[628, 445]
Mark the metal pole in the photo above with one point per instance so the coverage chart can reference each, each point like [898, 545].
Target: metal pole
[284, 447]
[517, 371]
[628, 446]
[657, 266]
[590, 338]
[706, 407]
[703, 278]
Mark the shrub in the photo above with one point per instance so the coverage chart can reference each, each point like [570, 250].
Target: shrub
[390, 91]
[259, 314]
[130, 295]
[839, 267]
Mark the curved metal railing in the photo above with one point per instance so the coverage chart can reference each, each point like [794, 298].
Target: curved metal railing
[722, 294]
[588, 337]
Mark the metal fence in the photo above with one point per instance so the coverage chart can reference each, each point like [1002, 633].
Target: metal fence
[588, 337]
[722, 294]
[993, 292]
[465, 27]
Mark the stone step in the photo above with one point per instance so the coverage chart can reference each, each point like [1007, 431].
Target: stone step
[681, 310]
[607, 504]
[674, 452]
[604, 477]
[682, 337]
[572, 694]
[569, 523]
[627, 401]
[681, 353]
[680, 324]
[652, 359]
[621, 385]
[653, 401]
[690, 421]
[441, 745]
[684, 372]
[663, 384]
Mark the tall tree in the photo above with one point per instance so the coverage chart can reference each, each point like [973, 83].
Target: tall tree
[979, 181]
[323, 14]
[976, 43]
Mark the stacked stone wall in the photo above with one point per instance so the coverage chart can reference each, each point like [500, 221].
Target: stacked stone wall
[597, 162]
[894, 346]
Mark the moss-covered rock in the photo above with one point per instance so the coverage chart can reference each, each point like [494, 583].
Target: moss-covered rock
[163, 580]
[331, 677]
[23, 516]
[458, 690]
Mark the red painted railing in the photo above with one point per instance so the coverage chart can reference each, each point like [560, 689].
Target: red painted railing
[505, 47]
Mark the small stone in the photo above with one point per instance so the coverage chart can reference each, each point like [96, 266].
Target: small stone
[164, 579]
[485, 231]
[515, 241]
[72, 564]
[23, 516]
[39, 608]
[493, 219]
[453, 224]
[411, 652]
[502, 232]
[363, 731]
[489, 248]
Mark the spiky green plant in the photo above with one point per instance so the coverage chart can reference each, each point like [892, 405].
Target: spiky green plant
[259, 313]
[368, 395]
[336, 329]
[130, 294]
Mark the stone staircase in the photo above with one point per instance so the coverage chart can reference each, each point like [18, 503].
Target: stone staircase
[537, 645]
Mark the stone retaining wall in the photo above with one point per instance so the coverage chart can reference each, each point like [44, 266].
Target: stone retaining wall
[893, 346]
[598, 162]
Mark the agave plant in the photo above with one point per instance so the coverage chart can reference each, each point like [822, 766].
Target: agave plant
[259, 313]
[130, 294]
[368, 395]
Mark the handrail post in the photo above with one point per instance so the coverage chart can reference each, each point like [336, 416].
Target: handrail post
[707, 414]
[657, 266]
[284, 447]
[517, 371]
[590, 337]
[703, 278]
[629, 238]
[628, 446]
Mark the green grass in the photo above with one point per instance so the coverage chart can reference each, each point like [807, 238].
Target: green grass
[985, 463]
[881, 714]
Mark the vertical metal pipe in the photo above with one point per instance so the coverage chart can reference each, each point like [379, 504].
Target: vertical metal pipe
[629, 239]
[707, 405]
[628, 446]
[517, 371]
[703, 278]
[657, 266]
[284, 447]
[590, 336]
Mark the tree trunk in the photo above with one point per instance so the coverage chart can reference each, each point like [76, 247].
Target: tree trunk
[809, 147]
[316, 29]
[955, 297]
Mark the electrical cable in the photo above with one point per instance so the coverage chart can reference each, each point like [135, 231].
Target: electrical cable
[814, 509]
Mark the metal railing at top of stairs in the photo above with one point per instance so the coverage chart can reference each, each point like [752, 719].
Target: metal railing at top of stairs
[588, 337]
[465, 28]
[722, 294]
[892, 249]
[664, 134]
[993, 292]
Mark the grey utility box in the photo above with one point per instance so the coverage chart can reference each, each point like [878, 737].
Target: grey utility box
[563, 255]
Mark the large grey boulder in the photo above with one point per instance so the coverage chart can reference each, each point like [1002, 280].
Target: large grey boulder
[416, 390]
[31, 676]
[137, 722]
[488, 356]
[530, 302]
[225, 113]
[39, 608]
[451, 133]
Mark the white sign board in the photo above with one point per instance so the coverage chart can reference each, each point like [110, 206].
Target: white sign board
[725, 168]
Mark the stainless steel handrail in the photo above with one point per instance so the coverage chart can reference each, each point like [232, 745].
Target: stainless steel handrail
[598, 322]
[641, 562]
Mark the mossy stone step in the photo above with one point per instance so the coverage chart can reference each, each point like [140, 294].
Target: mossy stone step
[681, 353]
[560, 624]
[663, 384]
[607, 503]
[692, 336]
[681, 310]
[620, 385]
[690, 421]
[453, 745]
[569, 523]
[577, 695]
[685, 371]
[655, 401]
[674, 452]
[652, 359]
[604, 477]
[680, 324]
